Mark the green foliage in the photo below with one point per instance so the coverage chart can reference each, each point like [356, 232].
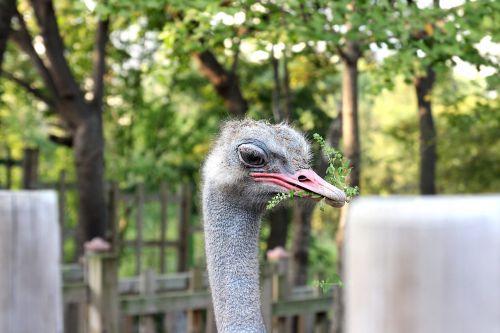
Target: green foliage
[336, 173]
[328, 283]
[469, 155]
[280, 197]
[161, 113]
[439, 38]
[338, 168]
[466, 122]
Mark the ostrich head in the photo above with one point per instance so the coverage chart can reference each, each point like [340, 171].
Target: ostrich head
[254, 160]
[251, 162]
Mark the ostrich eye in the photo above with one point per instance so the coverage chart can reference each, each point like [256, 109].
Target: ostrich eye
[252, 155]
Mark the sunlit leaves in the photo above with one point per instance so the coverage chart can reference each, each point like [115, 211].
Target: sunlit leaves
[434, 36]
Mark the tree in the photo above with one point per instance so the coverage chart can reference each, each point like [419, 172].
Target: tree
[280, 217]
[181, 24]
[427, 44]
[82, 117]
[427, 139]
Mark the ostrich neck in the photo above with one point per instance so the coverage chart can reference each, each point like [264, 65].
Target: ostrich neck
[231, 244]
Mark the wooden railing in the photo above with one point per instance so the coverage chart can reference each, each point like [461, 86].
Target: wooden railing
[165, 198]
[129, 206]
[28, 165]
[146, 303]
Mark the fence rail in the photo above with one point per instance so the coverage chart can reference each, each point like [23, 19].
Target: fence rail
[141, 299]
[128, 207]
[124, 205]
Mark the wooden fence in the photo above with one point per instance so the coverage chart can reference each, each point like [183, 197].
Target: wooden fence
[126, 210]
[96, 301]
[127, 202]
[28, 165]
[179, 302]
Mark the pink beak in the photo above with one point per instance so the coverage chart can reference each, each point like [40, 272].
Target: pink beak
[304, 179]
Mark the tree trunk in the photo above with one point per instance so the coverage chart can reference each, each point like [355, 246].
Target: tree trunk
[350, 127]
[338, 292]
[428, 156]
[89, 160]
[351, 145]
[301, 226]
[7, 8]
[279, 220]
[82, 117]
[334, 136]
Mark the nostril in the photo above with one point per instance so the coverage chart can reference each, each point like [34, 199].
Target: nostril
[302, 178]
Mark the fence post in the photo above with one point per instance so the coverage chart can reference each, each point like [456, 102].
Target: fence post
[210, 325]
[194, 317]
[103, 292]
[281, 283]
[281, 287]
[147, 287]
[8, 169]
[62, 207]
[423, 264]
[30, 168]
[30, 274]
[266, 298]
[184, 226]
[114, 227]
[163, 224]
[139, 226]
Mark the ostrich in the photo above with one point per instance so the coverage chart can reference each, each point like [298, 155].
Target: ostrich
[250, 162]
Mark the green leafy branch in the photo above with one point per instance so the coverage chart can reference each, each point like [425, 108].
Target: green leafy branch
[325, 285]
[336, 173]
[338, 168]
[278, 198]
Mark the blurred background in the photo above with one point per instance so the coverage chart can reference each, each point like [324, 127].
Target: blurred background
[115, 104]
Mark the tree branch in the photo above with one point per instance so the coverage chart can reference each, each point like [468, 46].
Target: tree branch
[225, 83]
[24, 41]
[341, 53]
[26, 86]
[65, 141]
[69, 91]
[211, 68]
[100, 63]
